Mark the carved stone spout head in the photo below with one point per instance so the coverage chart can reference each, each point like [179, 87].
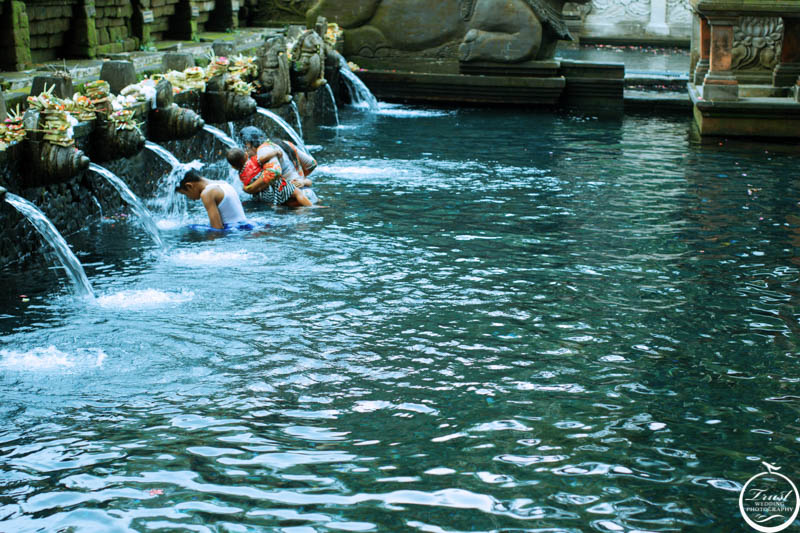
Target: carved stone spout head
[308, 62]
[273, 72]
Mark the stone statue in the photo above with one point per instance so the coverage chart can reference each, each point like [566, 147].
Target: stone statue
[308, 62]
[273, 73]
[497, 31]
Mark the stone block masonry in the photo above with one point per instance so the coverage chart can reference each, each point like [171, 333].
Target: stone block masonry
[39, 31]
[113, 22]
[15, 40]
[49, 27]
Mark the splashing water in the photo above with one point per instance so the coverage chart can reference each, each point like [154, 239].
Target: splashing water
[168, 202]
[297, 118]
[214, 258]
[163, 153]
[231, 129]
[333, 103]
[360, 95]
[50, 358]
[223, 137]
[43, 225]
[143, 299]
[296, 139]
[132, 200]
[99, 207]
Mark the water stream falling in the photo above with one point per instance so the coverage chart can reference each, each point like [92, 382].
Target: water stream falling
[43, 225]
[231, 129]
[221, 135]
[168, 202]
[296, 139]
[297, 118]
[360, 95]
[333, 103]
[163, 153]
[132, 200]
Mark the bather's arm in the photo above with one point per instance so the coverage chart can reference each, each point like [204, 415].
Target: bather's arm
[270, 172]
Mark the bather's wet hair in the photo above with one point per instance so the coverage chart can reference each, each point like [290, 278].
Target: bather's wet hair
[190, 177]
[252, 136]
[288, 150]
[237, 158]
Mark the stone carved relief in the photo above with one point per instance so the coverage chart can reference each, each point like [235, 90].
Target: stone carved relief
[757, 43]
[574, 10]
[621, 9]
[679, 12]
[466, 8]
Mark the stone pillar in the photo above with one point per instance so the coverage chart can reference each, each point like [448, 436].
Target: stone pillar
[223, 48]
[658, 18]
[84, 30]
[787, 71]
[15, 37]
[179, 61]
[720, 83]
[59, 84]
[118, 74]
[2, 107]
[701, 69]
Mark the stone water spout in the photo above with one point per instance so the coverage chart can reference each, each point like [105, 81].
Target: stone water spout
[46, 162]
[3, 192]
[273, 73]
[220, 105]
[308, 62]
[109, 141]
[170, 121]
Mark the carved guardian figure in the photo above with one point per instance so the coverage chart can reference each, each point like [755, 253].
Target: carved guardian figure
[497, 31]
[308, 62]
[273, 73]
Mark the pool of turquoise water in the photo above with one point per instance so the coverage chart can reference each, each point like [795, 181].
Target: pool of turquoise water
[502, 321]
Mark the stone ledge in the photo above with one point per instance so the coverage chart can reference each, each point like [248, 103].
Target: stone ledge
[455, 88]
[746, 117]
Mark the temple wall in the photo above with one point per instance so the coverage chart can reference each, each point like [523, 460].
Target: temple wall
[632, 20]
[113, 26]
[273, 12]
[163, 12]
[49, 26]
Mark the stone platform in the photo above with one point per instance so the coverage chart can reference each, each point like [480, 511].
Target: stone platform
[550, 83]
[757, 116]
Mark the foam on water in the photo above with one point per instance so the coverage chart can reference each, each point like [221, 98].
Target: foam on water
[400, 111]
[50, 358]
[215, 258]
[143, 299]
[167, 224]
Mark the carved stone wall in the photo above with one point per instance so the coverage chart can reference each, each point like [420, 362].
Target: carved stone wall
[632, 20]
[756, 48]
[272, 12]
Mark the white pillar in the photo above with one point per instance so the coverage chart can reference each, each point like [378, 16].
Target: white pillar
[658, 18]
